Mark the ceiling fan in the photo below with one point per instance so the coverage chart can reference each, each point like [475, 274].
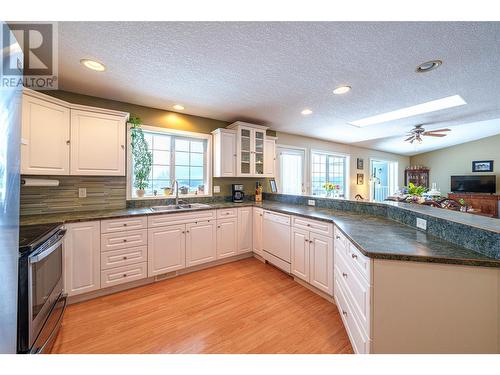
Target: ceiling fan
[418, 132]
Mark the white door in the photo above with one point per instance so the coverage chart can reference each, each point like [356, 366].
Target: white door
[290, 173]
[269, 157]
[321, 262]
[300, 253]
[257, 230]
[228, 155]
[82, 257]
[200, 242]
[227, 238]
[97, 144]
[45, 138]
[245, 239]
[166, 249]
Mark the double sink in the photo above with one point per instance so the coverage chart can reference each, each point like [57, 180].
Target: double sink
[179, 207]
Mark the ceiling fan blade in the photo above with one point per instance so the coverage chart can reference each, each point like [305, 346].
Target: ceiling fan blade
[435, 135]
[439, 130]
[407, 139]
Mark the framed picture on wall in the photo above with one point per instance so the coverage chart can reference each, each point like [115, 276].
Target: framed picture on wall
[360, 179]
[272, 184]
[359, 163]
[482, 166]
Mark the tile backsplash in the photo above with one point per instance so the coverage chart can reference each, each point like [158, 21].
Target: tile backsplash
[103, 193]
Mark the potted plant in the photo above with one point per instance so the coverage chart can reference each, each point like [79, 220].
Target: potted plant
[142, 157]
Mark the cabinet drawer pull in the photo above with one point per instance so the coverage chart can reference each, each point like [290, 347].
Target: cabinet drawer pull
[124, 224]
[218, 226]
[124, 275]
[124, 240]
[354, 256]
[187, 231]
[337, 237]
[124, 258]
[344, 274]
[344, 312]
[308, 225]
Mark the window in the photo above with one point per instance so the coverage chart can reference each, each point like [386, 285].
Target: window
[328, 168]
[291, 171]
[180, 156]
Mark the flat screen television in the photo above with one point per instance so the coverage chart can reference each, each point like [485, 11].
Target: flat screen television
[474, 184]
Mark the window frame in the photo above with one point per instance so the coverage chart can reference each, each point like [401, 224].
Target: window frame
[347, 168]
[174, 133]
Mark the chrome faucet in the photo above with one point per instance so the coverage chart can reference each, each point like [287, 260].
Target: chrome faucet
[176, 184]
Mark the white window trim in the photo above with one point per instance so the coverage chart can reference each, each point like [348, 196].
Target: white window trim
[304, 163]
[157, 129]
[347, 170]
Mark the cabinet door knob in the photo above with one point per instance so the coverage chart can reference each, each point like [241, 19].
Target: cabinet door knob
[124, 240]
[354, 256]
[124, 258]
[183, 232]
[124, 275]
[344, 274]
[124, 224]
[68, 142]
[218, 226]
[123, 146]
[344, 312]
[187, 231]
[337, 237]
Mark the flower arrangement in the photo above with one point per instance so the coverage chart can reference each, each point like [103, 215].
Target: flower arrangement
[329, 188]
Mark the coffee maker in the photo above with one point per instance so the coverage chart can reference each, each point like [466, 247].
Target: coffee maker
[237, 193]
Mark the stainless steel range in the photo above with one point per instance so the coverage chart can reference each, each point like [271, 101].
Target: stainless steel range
[41, 302]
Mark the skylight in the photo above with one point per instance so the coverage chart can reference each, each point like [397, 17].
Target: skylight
[433, 105]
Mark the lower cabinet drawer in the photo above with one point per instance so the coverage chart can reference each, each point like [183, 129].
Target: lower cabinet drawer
[359, 341]
[124, 257]
[356, 290]
[123, 240]
[121, 275]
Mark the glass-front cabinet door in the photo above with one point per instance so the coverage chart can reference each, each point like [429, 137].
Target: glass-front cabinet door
[259, 152]
[245, 151]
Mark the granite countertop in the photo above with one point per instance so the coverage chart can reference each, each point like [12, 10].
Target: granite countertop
[376, 237]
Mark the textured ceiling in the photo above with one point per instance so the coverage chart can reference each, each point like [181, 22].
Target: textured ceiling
[268, 72]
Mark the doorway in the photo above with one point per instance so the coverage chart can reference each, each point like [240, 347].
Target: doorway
[383, 179]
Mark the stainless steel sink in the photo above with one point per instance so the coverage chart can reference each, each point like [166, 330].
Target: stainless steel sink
[180, 207]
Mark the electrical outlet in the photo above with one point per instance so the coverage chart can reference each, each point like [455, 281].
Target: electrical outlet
[82, 192]
[311, 202]
[216, 189]
[421, 223]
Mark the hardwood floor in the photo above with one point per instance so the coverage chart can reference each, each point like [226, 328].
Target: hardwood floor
[240, 307]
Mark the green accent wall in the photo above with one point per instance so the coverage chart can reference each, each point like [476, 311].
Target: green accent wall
[169, 120]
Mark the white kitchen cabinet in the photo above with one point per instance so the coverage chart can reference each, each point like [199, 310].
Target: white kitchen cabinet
[321, 262]
[82, 255]
[227, 238]
[97, 144]
[269, 156]
[300, 254]
[200, 242]
[166, 249]
[61, 138]
[224, 146]
[245, 238]
[258, 214]
[45, 137]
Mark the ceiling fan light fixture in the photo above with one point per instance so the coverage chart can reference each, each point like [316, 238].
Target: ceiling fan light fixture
[428, 66]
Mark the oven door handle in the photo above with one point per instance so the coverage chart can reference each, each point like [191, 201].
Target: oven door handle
[39, 256]
[55, 329]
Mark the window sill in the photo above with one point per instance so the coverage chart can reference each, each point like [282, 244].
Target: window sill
[157, 197]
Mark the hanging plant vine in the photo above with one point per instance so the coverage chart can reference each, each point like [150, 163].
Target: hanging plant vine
[141, 156]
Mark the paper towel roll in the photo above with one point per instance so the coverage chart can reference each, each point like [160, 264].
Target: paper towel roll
[39, 182]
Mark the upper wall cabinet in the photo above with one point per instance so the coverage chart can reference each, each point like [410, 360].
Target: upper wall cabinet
[243, 150]
[97, 144]
[45, 137]
[60, 138]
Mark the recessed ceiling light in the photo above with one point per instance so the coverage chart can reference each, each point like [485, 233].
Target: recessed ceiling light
[434, 105]
[178, 107]
[341, 90]
[94, 65]
[306, 112]
[428, 66]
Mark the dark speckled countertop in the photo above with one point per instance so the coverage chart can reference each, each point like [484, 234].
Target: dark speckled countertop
[376, 237]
